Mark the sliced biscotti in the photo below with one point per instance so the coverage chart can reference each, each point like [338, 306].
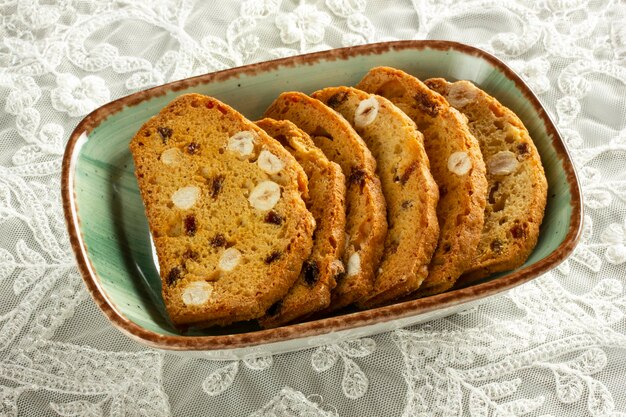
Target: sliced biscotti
[517, 183]
[456, 164]
[213, 184]
[326, 201]
[410, 192]
[366, 223]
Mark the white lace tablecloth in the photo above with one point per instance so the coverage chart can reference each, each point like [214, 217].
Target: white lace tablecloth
[553, 347]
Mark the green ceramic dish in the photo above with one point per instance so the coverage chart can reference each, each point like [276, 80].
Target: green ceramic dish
[109, 231]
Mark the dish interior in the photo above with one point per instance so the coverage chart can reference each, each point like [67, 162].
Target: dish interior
[112, 219]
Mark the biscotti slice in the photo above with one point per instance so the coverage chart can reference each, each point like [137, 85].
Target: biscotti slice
[366, 223]
[410, 192]
[517, 183]
[212, 183]
[326, 201]
[456, 164]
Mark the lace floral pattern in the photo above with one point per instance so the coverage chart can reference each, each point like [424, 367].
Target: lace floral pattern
[221, 379]
[291, 403]
[78, 97]
[444, 371]
[555, 346]
[128, 384]
[354, 382]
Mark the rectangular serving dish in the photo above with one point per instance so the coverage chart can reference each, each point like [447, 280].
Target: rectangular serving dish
[109, 231]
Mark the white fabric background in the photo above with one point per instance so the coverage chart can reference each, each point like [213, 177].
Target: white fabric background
[556, 346]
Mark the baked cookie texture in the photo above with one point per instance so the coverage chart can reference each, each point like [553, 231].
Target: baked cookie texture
[327, 189]
[410, 191]
[366, 224]
[456, 165]
[516, 179]
[213, 185]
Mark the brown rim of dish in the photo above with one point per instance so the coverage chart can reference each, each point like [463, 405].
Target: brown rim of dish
[331, 324]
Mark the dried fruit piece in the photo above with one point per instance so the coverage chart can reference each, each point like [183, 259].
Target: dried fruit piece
[184, 198]
[496, 246]
[269, 162]
[193, 148]
[459, 163]
[354, 264]
[311, 272]
[171, 156]
[218, 241]
[190, 225]
[518, 231]
[242, 143]
[502, 163]
[173, 276]
[273, 218]
[407, 173]
[216, 185]
[265, 195]
[357, 176]
[366, 112]
[197, 293]
[523, 149]
[429, 107]
[272, 257]
[230, 259]
[336, 99]
[165, 133]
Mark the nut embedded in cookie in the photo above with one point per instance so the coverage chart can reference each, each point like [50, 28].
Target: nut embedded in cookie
[242, 143]
[230, 259]
[270, 163]
[366, 112]
[459, 163]
[185, 198]
[502, 163]
[197, 293]
[265, 195]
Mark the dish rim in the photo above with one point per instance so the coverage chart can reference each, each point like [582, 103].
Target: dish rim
[331, 324]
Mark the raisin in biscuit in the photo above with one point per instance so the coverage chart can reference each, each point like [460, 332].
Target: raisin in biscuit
[456, 164]
[366, 223]
[517, 183]
[326, 201]
[211, 181]
[408, 186]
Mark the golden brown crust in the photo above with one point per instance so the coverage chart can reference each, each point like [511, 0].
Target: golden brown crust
[516, 199]
[462, 196]
[327, 189]
[410, 191]
[220, 260]
[366, 223]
